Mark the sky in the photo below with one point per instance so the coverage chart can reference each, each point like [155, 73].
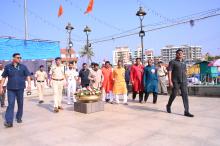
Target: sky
[112, 17]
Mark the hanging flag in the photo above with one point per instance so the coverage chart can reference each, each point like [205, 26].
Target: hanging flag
[90, 6]
[60, 12]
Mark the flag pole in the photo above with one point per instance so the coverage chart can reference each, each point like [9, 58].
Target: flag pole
[25, 19]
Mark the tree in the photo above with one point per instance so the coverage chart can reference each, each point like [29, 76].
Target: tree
[88, 53]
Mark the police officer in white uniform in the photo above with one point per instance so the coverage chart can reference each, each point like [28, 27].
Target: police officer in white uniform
[72, 77]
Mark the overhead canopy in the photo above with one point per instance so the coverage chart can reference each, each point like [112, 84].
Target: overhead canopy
[29, 49]
[214, 63]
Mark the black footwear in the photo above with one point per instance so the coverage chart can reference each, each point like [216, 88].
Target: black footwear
[8, 125]
[154, 102]
[41, 101]
[107, 100]
[125, 103]
[19, 121]
[168, 109]
[60, 107]
[187, 114]
[3, 106]
[56, 110]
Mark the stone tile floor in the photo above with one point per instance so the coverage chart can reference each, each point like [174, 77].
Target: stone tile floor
[119, 125]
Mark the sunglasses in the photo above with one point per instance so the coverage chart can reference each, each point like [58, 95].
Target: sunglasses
[18, 57]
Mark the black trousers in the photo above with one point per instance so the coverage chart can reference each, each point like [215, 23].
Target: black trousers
[141, 94]
[127, 86]
[183, 88]
[154, 97]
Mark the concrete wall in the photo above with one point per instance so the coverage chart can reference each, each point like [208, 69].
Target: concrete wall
[211, 91]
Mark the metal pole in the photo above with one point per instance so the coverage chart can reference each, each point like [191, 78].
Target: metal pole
[69, 44]
[87, 45]
[25, 19]
[142, 44]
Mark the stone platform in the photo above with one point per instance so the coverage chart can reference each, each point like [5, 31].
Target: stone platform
[88, 108]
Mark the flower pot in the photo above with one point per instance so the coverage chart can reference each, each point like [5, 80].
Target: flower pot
[88, 98]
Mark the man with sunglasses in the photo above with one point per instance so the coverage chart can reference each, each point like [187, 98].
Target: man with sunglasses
[17, 74]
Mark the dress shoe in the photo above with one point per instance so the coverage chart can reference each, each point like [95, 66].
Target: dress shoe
[41, 101]
[19, 121]
[168, 109]
[187, 114]
[60, 107]
[56, 110]
[3, 106]
[8, 125]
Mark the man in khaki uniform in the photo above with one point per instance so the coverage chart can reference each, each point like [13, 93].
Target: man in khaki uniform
[57, 80]
[40, 78]
[2, 97]
[162, 72]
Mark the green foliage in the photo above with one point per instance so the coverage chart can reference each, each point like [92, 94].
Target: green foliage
[84, 52]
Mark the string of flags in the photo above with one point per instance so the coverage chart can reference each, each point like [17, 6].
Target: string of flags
[88, 10]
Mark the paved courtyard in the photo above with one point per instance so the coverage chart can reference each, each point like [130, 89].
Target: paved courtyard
[119, 125]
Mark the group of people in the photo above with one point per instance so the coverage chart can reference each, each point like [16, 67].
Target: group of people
[113, 82]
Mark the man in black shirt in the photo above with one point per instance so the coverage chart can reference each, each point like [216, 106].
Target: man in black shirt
[178, 80]
[83, 75]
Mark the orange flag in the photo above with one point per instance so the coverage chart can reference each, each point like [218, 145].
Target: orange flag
[60, 12]
[90, 6]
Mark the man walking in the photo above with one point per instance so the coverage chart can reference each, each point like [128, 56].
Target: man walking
[96, 77]
[16, 73]
[127, 77]
[2, 97]
[57, 80]
[161, 72]
[136, 75]
[119, 87]
[40, 78]
[150, 81]
[107, 84]
[178, 80]
[72, 77]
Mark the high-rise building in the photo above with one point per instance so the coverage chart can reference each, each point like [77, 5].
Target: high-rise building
[122, 53]
[148, 54]
[191, 53]
[157, 59]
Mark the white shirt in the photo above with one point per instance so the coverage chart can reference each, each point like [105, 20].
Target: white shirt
[6, 80]
[71, 74]
[1, 71]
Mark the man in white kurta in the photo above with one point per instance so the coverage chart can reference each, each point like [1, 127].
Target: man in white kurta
[72, 77]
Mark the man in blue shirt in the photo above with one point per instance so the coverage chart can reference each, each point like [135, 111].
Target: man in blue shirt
[17, 74]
